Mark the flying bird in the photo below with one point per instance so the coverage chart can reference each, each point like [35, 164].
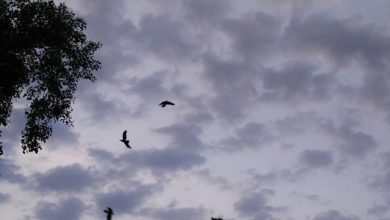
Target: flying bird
[124, 139]
[166, 102]
[109, 212]
[216, 218]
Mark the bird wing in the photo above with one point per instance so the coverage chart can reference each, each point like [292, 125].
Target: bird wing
[124, 135]
[127, 143]
[170, 103]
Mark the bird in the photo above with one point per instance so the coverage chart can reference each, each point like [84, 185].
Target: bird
[216, 218]
[109, 213]
[166, 102]
[124, 139]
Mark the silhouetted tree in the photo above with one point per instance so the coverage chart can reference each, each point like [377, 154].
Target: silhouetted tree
[43, 55]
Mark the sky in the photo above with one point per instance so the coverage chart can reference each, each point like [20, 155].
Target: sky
[282, 113]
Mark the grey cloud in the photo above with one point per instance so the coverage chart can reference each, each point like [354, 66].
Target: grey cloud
[172, 159]
[63, 135]
[253, 35]
[342, 39]
[199, 117]
[101, 155]
[124, 201]
[348, 138]
[334, 215]
[316, 158]
[378, 209]
[382, 182]
[226, 77]
[71, 178]
[150, 86]
[158, 161]
[296, 81]
[206, 12]
[153, 88]
[4, 198]
[163, 160]
[170, 213]
[272, 177]
[255, 206]
[251, 135]
[101, 109]
[107, 25]
[214, 179]
[70, 208]
[356, 143]
[200, 112]
[10, 172]
[165, 37]
[297, 123]
[183, 135]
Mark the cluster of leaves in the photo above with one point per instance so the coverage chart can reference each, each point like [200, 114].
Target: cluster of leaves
[43, 55]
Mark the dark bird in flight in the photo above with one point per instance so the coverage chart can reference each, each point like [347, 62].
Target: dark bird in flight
[216, 218]
[166, 102]
[109, 212]
[124, 139]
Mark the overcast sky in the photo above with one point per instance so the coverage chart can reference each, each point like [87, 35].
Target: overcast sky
[282, 113]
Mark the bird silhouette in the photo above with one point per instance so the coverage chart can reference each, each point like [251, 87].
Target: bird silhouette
[216, 218]
[165, 103]
[124, 139]
[109, 212]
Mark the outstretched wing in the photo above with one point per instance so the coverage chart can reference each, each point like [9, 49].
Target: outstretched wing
[166, 102]
[169, 103]
[127, 144]
[124, 135]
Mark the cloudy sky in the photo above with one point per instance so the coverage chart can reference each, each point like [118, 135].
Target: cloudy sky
[282, 113]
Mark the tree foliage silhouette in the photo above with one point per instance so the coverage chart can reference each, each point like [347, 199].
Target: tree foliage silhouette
[43, 55]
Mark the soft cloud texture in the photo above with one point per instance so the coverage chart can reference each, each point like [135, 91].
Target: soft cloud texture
[281, 112]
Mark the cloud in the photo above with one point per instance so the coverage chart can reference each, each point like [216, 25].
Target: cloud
[11, 172]
[63, 135]
[316, 158]
[172, 159]
[251, 135]
[4, 198]
[150, 87]
[233, 84]
[70, 208]
[340, 39]
[164, 160]
[206, 12]
[252, 35]
[298, 123]
[125, 201]
[70, 178]
[274, 176]
[355, 143]
[378, 210]
[165, 37]
[381, 181]
[334, 215]
[296, 81]
[255, 206]
[344, 43]
[176, 213]
[183, 135]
